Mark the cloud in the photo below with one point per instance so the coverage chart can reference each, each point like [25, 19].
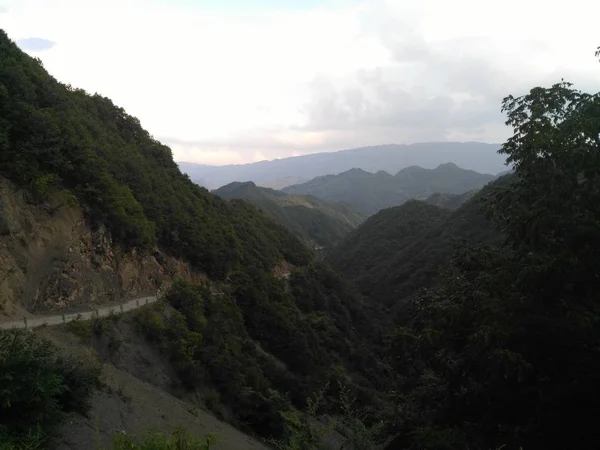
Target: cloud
[34, 44]
[222, 85]
[3, 9]
[436, 86]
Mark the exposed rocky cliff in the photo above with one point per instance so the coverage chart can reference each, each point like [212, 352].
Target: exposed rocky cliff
[50, 259]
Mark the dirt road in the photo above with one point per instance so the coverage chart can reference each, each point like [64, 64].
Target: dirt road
[57, 319]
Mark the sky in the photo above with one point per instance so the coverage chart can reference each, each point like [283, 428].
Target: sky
[238, 81]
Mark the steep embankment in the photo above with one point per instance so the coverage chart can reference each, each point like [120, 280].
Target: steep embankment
[52, 260]
[137, 391]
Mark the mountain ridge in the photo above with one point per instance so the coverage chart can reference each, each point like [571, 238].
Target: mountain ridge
[371, 192]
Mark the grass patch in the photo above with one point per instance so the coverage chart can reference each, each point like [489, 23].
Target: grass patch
[180, 439]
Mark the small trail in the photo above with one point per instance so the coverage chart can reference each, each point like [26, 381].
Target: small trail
[57, 319]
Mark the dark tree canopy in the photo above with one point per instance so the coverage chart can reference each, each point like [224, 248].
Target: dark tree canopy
[506, 351]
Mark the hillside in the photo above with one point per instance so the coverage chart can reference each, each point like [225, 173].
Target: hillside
[371, 192]
[316, 221]
[450, 201]
[279, 173]
[399, 250]
[94, 209]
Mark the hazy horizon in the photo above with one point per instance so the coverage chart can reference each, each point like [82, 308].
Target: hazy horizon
[334, 151]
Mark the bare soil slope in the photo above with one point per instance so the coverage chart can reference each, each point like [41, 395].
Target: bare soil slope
[130, 404]
[51, 260]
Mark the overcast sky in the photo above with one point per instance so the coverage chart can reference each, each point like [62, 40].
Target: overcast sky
[234, 81]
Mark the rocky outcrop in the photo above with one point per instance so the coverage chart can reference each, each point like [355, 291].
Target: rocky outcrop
[283, 269]
[51, 259]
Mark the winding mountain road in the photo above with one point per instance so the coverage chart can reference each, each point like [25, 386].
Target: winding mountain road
[57, 319]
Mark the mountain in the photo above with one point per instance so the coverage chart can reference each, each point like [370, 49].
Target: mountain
[476, 156]
[93, 209]
[315, 220]
[371, 192]
[399, 249]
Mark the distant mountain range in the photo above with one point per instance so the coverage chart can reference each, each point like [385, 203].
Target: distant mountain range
[371, 192]
[284, 172]
[319, 223]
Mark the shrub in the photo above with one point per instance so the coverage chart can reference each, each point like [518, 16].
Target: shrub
[38, 386]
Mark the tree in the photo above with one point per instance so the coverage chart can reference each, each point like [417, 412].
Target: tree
[506, 351]
[38, 386]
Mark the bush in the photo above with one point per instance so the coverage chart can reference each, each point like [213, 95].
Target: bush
[38, 386]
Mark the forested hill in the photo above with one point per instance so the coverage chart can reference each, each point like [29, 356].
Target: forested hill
[371, 192]
[58, 137]
[399, 250]
[316, 221]
[269, 343]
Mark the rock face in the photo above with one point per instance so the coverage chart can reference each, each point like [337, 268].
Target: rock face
[51, 260]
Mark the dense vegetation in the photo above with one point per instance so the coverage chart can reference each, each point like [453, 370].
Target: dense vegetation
[371, 192]
[317, 222]
[365, 254]
[399, 250]
[264, 349]
[505, 351]
[38, 386]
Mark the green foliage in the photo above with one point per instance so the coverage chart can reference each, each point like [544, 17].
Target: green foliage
[207, 342]
[35, 439]
[180, 439]
[261, 352]
[37, 386]
[80, 327]
[310, 430]
[366, 254]
[505, 351]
